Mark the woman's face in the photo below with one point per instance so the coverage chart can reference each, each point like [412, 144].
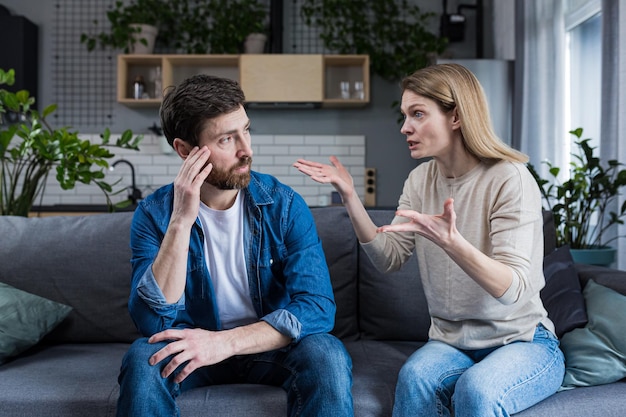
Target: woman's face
[429, 131]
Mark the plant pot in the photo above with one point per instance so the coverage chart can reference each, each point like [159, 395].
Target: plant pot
[147, 32]
[255, 43]
[597, 256]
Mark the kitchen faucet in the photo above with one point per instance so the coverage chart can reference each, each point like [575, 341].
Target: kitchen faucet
[135, 193]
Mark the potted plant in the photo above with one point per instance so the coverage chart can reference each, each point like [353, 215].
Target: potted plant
[581, 205]
[233, 21]
[391, 32]
[30, 148]
[187, 26]
[181, 25]
[133, 26]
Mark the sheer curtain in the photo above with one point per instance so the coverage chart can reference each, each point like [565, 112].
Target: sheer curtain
[613, 120]
[538, 123]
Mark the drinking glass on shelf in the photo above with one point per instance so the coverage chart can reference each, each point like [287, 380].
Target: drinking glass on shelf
[359, 92]
[344, 87]
[157, 82]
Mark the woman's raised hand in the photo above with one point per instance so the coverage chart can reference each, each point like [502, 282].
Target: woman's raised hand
[335, 174]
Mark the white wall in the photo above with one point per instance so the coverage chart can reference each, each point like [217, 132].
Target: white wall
[273, 154]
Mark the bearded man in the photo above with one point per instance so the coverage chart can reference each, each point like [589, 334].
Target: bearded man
[229, 280]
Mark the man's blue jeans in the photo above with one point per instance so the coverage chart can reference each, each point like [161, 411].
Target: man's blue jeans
[489, 382]
[315, 373]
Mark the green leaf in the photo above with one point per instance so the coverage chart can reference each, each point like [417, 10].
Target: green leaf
[7, 77]
[582, 204]
[49, 110]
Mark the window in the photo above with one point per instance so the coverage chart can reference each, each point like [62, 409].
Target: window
[583, 25]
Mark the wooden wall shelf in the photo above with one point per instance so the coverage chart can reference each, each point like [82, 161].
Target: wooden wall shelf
[264, 78]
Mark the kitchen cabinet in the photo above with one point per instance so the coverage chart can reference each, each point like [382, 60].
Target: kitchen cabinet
[282, 78]
[267, 79]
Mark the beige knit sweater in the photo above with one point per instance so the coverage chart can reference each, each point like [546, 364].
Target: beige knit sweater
[498, 209]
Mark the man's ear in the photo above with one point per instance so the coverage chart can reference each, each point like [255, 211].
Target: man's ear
[182, 148]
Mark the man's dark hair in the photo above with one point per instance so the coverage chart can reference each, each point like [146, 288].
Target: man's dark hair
[187, 106]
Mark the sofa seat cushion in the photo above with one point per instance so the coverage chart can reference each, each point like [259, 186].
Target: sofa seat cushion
[234, 400]
[606, 401]
[375, 367]
[62, 380]
[375, 370]
[81, 380]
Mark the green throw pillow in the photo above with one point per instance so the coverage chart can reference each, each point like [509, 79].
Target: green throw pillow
[596, 353]
[24, 319]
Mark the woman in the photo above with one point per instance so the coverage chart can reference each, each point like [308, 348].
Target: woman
[473, 215]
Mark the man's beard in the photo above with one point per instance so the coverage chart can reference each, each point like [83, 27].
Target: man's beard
[226, 179]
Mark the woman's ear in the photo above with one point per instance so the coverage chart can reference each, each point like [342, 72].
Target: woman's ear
[181, 147]
[456, 121]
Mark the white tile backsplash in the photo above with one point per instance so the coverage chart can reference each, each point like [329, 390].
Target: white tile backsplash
[273, 154]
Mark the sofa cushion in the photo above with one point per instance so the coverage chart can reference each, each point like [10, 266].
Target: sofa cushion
[392, 306]
[340, 248]
[602, 401]
[612, 278]
[562, 296]
[24, 319]
[549, 233]
[63, 380]
[375, 369]
[80, 261]
[596, 354]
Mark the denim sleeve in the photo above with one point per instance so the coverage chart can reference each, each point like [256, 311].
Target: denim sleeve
[147, 306]
[151, 293]
[285, 322]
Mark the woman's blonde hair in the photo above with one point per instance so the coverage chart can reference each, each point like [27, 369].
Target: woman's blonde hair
[454, 86]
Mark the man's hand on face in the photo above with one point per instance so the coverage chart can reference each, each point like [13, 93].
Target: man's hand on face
[194, 348]
[194, 170]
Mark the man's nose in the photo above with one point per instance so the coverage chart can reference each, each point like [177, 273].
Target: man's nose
[245, 148]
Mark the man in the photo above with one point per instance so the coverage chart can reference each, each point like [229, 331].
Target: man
[229, 280]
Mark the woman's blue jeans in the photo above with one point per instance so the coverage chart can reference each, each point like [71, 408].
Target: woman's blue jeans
[501, 381]
[316, 373]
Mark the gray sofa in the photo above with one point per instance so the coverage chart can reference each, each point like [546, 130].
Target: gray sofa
[84, 262]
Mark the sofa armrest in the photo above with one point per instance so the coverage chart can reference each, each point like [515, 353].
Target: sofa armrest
[609, 277]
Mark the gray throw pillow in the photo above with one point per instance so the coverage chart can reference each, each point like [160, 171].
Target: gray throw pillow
[24, 319]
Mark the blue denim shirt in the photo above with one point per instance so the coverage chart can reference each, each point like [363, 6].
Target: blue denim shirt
[287, 272]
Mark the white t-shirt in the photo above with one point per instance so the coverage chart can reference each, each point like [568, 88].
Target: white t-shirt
[224, 254]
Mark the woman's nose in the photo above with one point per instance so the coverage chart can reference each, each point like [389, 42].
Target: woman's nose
[405, 129]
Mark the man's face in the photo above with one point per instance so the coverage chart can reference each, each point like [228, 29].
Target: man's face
[228, 138]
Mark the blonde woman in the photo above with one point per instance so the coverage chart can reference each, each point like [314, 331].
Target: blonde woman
[473, 214]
